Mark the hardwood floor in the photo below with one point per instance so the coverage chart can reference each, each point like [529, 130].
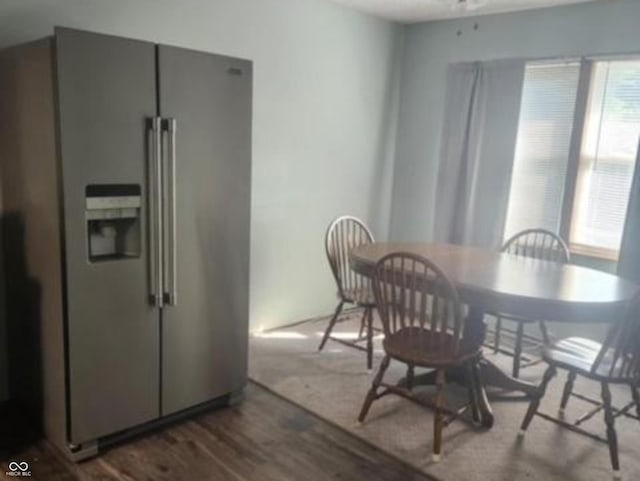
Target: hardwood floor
[265, 438]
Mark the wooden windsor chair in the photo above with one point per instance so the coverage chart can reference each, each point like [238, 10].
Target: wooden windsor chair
[424, 327]
[616, 361]
[343, 234]
[538, 244]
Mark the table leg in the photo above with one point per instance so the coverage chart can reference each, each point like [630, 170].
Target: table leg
[460, 375]
[492, 375]
[476, 330]
[486, 414]
[483, 372]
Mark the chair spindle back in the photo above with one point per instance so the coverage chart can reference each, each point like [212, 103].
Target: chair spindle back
[413, 295]
[343, 234]
[538, 244]
[621, 349]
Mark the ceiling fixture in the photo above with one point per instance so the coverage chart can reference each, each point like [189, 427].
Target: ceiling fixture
[468, 5]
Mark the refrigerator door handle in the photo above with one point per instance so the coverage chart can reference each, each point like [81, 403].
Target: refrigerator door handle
[170, 254]
[154, 184]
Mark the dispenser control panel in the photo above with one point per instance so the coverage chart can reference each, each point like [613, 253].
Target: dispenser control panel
[112, 214]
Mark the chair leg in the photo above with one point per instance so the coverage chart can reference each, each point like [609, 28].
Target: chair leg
[517, 352]
[612, 438]
[363, 323]
[568, 389]
[545, 333]
[332, 323]
[535, 402]
[496, 339]
[373, 391]
[369, 337]
[636, 398]
[438, 420]
[409, 377]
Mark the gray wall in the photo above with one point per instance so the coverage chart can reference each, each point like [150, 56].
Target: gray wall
[327, 83]
[324, 101]
[592, 28]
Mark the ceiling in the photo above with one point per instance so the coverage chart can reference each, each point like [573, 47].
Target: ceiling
[410, 11]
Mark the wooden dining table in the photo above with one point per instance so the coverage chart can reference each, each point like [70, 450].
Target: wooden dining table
[491, 281]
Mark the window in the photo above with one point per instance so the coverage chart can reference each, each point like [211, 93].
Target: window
[542, 147]
[607, 157]
[581, 192]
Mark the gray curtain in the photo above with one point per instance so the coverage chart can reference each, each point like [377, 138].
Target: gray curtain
[629, 261]
[482, 106]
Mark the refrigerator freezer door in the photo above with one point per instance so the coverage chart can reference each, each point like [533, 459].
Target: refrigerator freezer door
[107, 90]
[204, 335]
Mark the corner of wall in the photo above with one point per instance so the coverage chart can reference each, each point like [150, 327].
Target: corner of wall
[397, 79]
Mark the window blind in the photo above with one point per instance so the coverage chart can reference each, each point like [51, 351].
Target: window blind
[608, 155]
[542, 147]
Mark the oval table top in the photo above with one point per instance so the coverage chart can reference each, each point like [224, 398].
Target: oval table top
[517, 285]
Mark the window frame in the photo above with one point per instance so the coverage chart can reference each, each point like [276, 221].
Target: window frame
[571, 188]
[573, 162]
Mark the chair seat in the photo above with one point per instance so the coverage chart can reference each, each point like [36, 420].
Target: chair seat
[579, 354]
[361, 297]
[421, 347]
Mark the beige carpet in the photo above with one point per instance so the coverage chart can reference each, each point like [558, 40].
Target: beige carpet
[333, 383]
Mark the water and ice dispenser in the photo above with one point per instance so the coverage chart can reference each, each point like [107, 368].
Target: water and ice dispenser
[113, 221]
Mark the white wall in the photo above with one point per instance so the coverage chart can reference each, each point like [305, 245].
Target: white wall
[324, 100]
[589, 28]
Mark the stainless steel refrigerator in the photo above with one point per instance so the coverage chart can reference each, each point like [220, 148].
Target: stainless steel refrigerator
[128, 166]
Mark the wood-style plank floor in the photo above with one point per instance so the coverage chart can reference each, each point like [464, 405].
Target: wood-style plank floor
[265, 438]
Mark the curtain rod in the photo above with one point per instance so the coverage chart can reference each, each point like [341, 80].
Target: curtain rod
[563, 58]
[595, 57]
